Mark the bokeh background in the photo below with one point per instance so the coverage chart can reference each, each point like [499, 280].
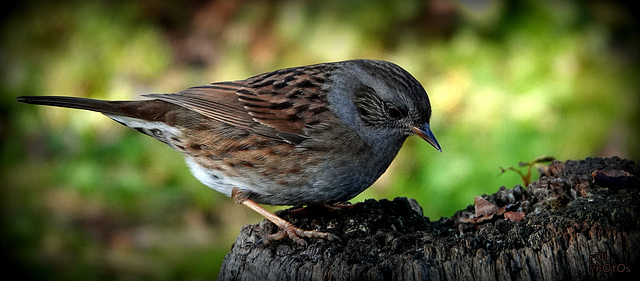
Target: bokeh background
[83, 198]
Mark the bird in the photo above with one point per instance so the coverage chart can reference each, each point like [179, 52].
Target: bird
[306, 135]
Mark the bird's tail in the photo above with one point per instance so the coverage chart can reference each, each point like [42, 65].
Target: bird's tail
[121, 108]
[146, 116]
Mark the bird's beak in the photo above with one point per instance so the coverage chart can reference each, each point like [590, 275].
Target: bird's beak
[424, 132]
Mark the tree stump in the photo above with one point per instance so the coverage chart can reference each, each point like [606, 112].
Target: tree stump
[579, 221]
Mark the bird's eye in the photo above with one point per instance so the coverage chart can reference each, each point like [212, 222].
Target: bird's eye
[394, 112]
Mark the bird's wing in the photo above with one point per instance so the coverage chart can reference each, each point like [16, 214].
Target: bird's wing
[279, 104]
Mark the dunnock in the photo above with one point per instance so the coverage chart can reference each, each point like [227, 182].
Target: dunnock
[316, 134]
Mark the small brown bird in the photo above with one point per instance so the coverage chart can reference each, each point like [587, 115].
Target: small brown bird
[316, 134]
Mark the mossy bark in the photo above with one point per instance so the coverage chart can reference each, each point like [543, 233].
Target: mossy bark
[582, 222]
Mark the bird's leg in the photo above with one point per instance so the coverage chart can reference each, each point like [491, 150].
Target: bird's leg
[286, 228]
[332, 207]
[342, 206]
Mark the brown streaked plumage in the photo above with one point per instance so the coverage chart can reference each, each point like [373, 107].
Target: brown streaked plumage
[315, 134]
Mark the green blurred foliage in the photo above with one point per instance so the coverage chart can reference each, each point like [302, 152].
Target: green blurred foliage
[84, 198]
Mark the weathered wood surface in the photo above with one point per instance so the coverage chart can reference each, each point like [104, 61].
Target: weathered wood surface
[576, 228]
